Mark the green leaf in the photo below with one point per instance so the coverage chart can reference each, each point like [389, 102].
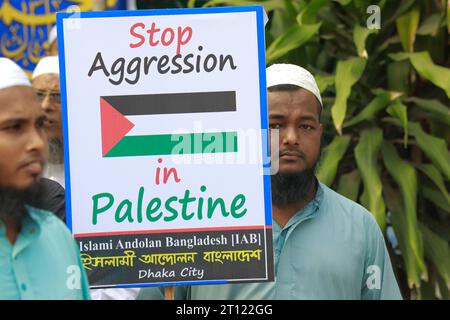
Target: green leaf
[332, 154]
[278, 25]
[378, 103]
[431, 25]
[434, 106]
[398, 110]
[438, 75]
[435, 196]
[290, 11]
[324, 81]
[437, 250]
[347, 73]
[406, 26]
[360, 35]
[308, 14]
[398, 76]
[344, 2]
[293, 38]
[434, 175]
[435, 148]
[366, 155]
[349, 185]
[423, 64]
[399, 56]
[415, 268]
[405, 177]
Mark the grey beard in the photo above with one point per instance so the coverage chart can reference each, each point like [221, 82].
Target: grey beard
[289, 188]
[12, 203]
[55, 151]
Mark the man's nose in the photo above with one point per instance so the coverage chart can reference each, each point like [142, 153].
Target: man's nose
[48, 104]
[290, 135]
[37, 141]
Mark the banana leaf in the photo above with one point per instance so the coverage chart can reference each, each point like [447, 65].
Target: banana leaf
[423, 64]
[437, 250]
[332, 155]
[348, 73]
[366, 155]
[405, 177]
[293, 38]
[399, 111]
[407, 26]
[415, 267]
[349, 185]
[360, 35]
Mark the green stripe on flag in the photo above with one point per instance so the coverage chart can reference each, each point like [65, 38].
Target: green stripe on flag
[162, 144]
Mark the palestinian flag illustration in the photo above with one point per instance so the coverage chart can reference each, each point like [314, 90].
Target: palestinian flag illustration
[115, 125]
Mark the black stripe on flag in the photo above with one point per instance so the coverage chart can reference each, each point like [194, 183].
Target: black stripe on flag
[167, 103]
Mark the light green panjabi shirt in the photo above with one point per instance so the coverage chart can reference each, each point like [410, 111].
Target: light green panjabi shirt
[331, 249]
[43, 263]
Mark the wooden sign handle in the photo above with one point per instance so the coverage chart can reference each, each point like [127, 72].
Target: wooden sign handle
[169, 293]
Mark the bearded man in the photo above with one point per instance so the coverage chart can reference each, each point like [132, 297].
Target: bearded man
[325, 245]
[39, 259]
[45, 80]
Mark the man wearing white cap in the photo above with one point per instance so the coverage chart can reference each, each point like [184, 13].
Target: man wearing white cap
[45, 80]
[325, 246]
[39, 259]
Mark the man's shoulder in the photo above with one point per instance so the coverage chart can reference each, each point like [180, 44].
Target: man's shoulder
[49, 221]
[340, 205]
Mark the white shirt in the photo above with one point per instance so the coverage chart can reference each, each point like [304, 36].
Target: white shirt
[115, 294]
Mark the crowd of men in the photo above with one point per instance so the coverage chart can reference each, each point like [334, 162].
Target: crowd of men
[325, 245]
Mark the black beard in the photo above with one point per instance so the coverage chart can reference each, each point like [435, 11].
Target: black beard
[289, 188]
[13, 200]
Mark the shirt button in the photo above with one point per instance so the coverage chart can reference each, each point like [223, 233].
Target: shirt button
[24, 287]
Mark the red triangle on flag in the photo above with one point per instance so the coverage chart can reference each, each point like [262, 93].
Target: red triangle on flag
[114, 126]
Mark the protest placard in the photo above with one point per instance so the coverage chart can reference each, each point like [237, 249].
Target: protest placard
[164, 116]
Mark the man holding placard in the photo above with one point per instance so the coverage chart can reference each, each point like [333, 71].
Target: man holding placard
[325, 246]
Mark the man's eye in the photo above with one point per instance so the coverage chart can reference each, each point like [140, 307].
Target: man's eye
[14, 127]
[40, 124]
[306, 127]
[274, 126]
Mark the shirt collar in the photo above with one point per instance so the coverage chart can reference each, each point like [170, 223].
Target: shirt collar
[29, 231]
[31, 221]
[310, 210]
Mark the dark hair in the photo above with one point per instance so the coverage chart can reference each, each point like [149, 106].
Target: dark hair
[293, 87]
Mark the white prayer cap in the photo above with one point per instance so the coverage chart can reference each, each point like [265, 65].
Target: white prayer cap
[46, 65]
[11, 74]
[284, 73]
[53, 35]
